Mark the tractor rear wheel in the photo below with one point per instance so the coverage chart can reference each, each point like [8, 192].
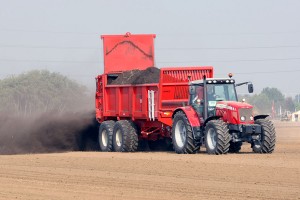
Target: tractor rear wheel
[217, 137]
[235, 147]
[182, 135]
[105, 135]
[125, 136]
[267, 139]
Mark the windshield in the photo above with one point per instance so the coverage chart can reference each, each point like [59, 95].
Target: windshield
[221, 92]
[216, 92]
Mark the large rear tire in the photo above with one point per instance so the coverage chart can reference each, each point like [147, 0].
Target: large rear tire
[267, 139]
[125, 136]
[105, 135]
[182, 135]
[217, 137]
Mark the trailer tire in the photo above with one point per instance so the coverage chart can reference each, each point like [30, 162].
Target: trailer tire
[217, 137]
[266, 143]
[235, 147]
[182, 135]
[105, 135]
[125, 136]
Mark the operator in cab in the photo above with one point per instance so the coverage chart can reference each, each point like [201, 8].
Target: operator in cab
[210, 93]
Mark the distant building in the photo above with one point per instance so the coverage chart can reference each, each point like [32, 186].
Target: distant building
[296, 116]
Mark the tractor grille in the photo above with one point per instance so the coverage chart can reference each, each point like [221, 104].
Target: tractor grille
[246, 112]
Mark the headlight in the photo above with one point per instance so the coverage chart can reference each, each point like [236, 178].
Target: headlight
[251, 118]
[243, 118]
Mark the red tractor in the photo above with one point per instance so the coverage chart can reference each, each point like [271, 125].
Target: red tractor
[135, 101]
[224, 123]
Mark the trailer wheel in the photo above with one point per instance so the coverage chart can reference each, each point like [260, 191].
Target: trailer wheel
[217, 137]
[267, 139]
[235, 147]
[182, 135]
[125, 137]
[105, 135]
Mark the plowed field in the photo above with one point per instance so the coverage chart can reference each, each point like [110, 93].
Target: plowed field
[157, 175]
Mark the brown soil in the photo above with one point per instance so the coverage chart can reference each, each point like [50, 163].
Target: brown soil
[159, 175]
[149, 75]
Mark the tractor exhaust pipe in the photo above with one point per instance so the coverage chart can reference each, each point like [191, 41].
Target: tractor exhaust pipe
[205, 97]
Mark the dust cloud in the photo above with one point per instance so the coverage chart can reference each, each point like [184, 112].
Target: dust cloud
[43, 112]
[47, 132]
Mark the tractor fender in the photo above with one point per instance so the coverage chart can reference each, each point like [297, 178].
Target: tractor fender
[211, 118]
[260, 117]
[190, 113]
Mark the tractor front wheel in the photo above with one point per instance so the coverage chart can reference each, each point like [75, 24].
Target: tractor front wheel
[217, 137]
[267, 138]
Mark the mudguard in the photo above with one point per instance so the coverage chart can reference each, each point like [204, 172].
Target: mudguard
[191, 114]
[193, 118]
[260, 117]
[211, 118]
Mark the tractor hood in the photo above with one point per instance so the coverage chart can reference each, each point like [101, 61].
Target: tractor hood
[235, 112]
[233, 105]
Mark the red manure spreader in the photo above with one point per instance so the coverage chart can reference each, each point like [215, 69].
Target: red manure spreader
[184, 105]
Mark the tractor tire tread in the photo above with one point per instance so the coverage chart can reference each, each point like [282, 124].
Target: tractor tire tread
[191, 146]
[223, 136]
[268, 135]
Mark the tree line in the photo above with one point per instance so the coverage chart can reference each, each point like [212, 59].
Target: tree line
[272, 101]
[42, 91]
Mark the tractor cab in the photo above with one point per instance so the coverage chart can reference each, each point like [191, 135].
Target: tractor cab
[206, 93]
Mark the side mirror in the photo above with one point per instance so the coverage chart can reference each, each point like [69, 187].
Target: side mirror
[250, 88]
[192, 90]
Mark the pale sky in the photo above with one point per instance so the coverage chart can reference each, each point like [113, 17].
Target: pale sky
[247, 38]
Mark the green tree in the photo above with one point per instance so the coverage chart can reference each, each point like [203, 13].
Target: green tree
[273, 94]
[297, 106]
[261, 102]
[289, 104]
[297, 98]
[42, 91]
